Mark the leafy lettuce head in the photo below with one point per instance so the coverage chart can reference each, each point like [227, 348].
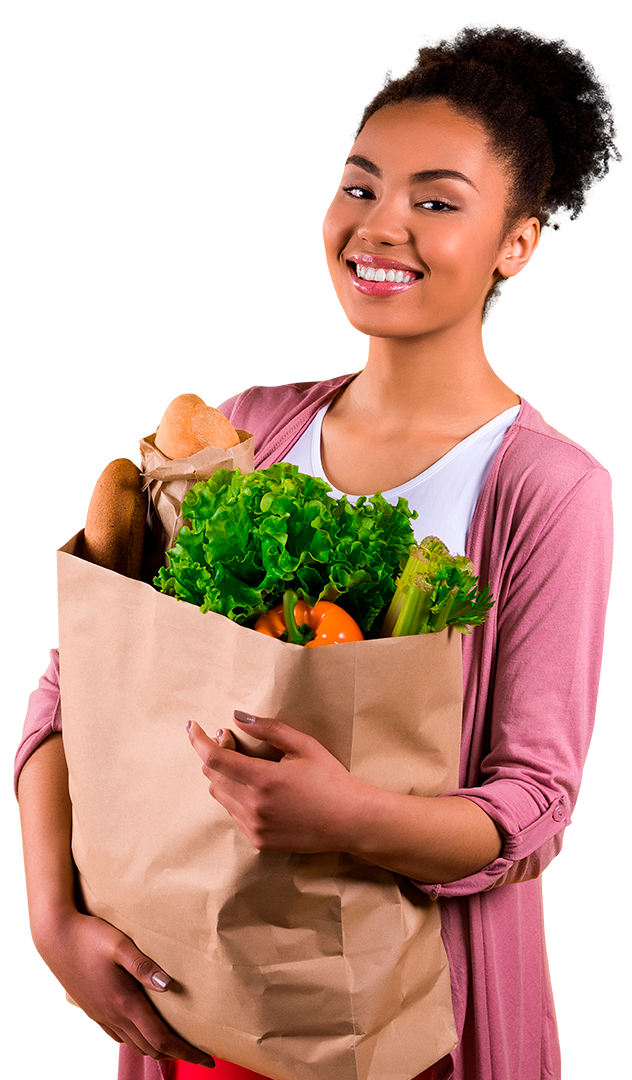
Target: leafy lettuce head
[250, 537]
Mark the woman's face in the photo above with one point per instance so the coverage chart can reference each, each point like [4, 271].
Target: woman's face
[416, 229]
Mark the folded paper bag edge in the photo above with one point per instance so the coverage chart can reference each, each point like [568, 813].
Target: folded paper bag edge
[70, 547]
[169, 480]
[157, 466]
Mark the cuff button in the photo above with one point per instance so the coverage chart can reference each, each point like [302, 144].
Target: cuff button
[559, 813]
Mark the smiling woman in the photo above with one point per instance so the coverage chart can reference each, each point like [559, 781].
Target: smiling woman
[455, 170]
[422, 194]
[517, 88]
[402, 191]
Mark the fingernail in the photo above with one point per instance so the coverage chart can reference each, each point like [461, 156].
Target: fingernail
[208, 1064]
[244, 717]
[219, 733]
[188, 725]
[160, 980]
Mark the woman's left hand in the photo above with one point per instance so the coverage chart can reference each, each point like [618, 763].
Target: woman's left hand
[306, 802]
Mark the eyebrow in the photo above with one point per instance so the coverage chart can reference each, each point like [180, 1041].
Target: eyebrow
[415, 178]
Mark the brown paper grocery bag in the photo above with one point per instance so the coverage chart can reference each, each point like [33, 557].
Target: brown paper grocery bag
[300, 967]
[169, 479]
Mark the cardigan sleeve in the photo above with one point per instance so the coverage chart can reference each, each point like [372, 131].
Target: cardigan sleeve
[43, 716]
[543, 692]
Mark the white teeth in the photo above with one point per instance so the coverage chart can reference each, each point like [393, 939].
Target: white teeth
[369, 273]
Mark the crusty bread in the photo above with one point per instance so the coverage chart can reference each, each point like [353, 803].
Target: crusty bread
[115, 525]
[189, 425]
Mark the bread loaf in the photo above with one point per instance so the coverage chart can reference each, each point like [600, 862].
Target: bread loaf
[189, 425]
[115, 525]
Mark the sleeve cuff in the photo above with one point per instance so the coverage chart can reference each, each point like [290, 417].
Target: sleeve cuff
[43, 716]
[524, 855]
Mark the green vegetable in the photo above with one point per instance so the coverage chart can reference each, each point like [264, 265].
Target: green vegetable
[435, 590]
[251, 537]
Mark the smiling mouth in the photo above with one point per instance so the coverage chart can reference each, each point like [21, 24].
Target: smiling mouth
[380, 278]
[381, 273]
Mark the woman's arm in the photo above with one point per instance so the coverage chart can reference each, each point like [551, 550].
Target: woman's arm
[100, 968]
[457, 838]
[308, 802]
[45, 816]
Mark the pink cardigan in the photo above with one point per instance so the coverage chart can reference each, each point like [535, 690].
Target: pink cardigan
[542, 537]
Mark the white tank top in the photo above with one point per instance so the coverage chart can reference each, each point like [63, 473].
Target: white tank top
[445, 495]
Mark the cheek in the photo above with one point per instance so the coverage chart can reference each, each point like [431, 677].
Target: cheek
[470, 254]
[454, 244]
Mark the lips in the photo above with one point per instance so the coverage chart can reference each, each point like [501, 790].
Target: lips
[384, 288]
[381, 263]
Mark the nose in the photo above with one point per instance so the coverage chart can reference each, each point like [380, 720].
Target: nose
[384, 223]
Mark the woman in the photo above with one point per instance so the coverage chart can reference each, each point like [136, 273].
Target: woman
[455, 169]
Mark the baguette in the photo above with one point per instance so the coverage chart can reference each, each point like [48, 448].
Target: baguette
[115, 525]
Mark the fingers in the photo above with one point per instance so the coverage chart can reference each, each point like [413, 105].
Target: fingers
[145, 1031]
[243, 768]
[226, 739]
[107, 976]
[149, 1036]
[144, 970]
[275, 732]
[219, 759]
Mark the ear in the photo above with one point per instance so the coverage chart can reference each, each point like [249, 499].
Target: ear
[518, 247]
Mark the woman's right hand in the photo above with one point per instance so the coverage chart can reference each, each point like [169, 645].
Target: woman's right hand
[109, 978]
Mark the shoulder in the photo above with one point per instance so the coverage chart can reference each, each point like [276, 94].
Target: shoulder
[267, 411]
[540, 468]
[549, 497]
[265, 401]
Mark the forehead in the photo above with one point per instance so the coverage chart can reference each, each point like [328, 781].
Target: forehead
[416, 136]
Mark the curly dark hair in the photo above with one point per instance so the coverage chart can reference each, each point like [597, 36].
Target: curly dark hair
[544, 109]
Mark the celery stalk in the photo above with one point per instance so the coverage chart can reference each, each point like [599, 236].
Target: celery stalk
[439, 620]
[434, 590]
[416, 566]
[414, 609]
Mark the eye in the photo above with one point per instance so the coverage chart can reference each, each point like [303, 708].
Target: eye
[436, 205]
[357, 192]
[445, 207]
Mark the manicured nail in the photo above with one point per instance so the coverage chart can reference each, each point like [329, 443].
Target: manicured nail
[160, 980]
[244, 717]
[188, 725]
[219, 733]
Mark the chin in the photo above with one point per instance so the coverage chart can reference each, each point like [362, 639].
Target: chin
[382, 326]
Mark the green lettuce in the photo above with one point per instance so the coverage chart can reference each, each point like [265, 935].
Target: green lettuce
[250, 537]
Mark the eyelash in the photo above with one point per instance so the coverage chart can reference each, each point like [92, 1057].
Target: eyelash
[445, 207]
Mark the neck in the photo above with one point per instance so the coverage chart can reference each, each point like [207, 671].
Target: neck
[433, 377]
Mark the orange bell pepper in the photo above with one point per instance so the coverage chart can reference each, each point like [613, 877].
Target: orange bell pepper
[297, 622]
